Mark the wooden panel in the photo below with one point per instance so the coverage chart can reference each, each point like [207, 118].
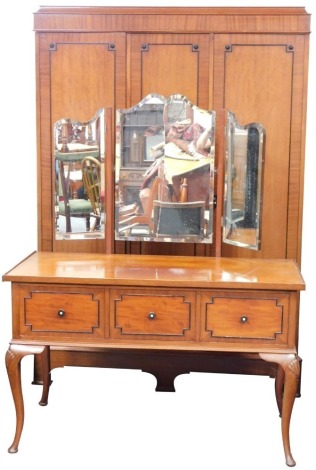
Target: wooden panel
[257, 84]
[61, 313]
[165, 19]
[54, 312]
[152, 314]
[169, 64]
[158, 271]
[247, 317]
[80, 75]
[76, 75]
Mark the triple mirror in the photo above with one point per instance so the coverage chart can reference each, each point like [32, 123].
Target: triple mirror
[164, 175]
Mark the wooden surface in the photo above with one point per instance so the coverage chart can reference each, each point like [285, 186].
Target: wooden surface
[160, 19]
[89, 304]
[224, 273]
[252, 61]
[152, 302]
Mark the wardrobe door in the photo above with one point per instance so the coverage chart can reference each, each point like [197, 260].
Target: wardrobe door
[169, 64]
[261, 78]
[77, 75]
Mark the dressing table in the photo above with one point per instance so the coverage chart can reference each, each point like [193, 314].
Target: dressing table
[169, 305]
[147, 304]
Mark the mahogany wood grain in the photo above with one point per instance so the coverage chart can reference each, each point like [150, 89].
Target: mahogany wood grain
[150, 270]
[219, 20]
[253, 61]
[85, 304]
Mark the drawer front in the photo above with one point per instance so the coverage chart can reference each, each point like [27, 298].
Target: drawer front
[152, 315]
[244, 317]
[62, 313]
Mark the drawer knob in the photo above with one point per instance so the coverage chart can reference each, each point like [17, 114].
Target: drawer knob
[151, 315]
[243, 319]
[61, 313]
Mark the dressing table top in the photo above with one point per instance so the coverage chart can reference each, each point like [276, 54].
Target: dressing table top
[152, 270]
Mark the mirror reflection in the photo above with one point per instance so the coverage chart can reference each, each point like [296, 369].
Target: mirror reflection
[165, 171]
[79, 183]
[243, 183]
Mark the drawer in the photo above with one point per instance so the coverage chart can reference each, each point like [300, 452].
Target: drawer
[62, 312]
[245, 316]
[152, 315]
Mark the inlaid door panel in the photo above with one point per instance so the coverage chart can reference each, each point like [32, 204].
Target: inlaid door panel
[170, 64]
[256, 78]
[78, 74]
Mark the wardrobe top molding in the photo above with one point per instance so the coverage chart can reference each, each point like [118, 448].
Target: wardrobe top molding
[290, 20]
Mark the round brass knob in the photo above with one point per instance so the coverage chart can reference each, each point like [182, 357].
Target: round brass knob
[61, 313]
[151, 315]
[243, 319]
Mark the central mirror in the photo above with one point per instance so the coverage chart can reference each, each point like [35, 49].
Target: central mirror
[164, 171]
[79, 182]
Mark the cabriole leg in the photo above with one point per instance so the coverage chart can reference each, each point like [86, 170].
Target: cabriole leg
[291, 367]
[13, 358]
[279, 388]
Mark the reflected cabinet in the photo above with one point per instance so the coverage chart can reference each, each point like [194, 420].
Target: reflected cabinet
[170, 183]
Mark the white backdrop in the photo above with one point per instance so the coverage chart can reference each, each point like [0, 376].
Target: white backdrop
[114, 419]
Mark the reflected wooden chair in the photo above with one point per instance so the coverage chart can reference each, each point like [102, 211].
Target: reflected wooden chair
[68, 206]
[179, 220]
[91, 178]
[135, 218]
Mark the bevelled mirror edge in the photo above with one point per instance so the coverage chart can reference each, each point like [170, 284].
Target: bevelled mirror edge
[79, 187]
[243, 186]
[165, 171]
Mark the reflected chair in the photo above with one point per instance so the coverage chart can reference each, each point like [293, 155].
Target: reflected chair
[75, 208]
[81, 207]
[91, 178]
[128, 221]
[71, 207]
[179, 220]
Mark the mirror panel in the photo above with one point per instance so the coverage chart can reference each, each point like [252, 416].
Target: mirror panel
[79, 152]
[243, 183]
[165, 171]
